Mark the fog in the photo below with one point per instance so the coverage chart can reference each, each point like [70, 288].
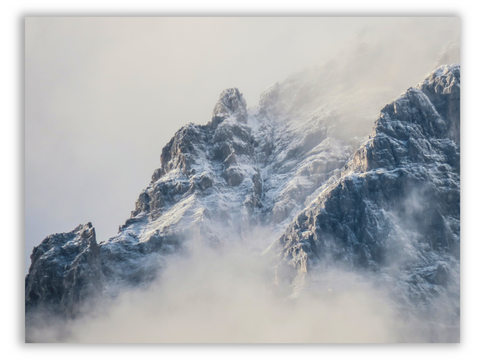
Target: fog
[104, 95]
[229, 297]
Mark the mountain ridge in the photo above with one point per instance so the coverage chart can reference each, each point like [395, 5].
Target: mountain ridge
[395, 210]
[244, 170]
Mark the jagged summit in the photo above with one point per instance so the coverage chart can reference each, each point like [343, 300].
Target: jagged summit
[65, 271]
[388, 204]
[395, 210]
[429, 112]
[231, 104]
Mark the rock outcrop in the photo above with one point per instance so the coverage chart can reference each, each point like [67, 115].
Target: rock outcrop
[390, 208]
[395, 210]
[65, 271]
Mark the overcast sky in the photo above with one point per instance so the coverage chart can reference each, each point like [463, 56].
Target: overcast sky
[104, 95]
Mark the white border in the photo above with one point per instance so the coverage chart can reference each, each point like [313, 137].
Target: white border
[11, 142]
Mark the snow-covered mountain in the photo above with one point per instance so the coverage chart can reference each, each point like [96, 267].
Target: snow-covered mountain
[295, 165]
[395, 210]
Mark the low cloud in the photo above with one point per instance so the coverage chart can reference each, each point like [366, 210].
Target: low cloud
[228, 295]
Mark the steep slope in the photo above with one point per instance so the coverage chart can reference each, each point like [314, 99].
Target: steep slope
[395, 211]
[214, 185]
[262, 168]
[65, 271]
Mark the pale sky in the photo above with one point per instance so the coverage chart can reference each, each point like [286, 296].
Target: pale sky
[104, 95]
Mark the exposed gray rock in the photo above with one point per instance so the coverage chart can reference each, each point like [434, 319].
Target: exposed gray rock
[231, 103]
[65, 271]
[395, 211]
[391, 208]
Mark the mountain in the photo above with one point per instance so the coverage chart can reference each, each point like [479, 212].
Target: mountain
[298, 166]
[395, 210]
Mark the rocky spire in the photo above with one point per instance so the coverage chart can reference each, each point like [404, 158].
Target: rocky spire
[397, 203]
[65, 270]
[230, 104]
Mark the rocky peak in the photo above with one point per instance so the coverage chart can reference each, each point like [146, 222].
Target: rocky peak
[72, 277]
[230, 104]
[398, 195]
[421, 125]
[397, 202]
[443, 90]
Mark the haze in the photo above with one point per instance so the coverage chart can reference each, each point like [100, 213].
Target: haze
[104, 95]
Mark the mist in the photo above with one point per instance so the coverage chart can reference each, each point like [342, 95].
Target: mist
[232, 294]
[104, 95]
[227, 296]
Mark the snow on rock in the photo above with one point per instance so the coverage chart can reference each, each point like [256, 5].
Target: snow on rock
[288, 165]
[395, 210]
[65, 271]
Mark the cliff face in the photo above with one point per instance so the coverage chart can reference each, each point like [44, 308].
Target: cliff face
[395, 210]
[65, 271]
[391, 207]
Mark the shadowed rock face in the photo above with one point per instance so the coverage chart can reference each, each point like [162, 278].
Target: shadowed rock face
[391, 207]
[231, 103]
[65, 271]
[396, 208]
[205, 168]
